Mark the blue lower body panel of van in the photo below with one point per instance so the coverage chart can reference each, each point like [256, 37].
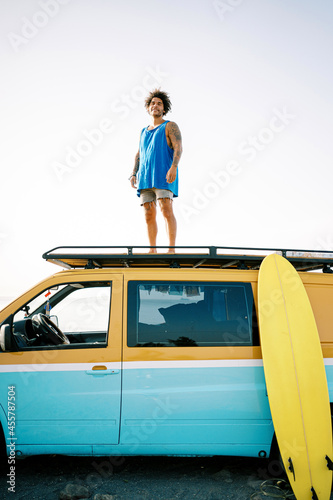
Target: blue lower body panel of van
[196, 407]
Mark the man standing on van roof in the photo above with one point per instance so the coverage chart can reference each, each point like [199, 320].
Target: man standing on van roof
[155, 173]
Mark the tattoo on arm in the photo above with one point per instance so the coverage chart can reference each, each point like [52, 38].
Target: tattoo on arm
[136, 163]
[176, 141]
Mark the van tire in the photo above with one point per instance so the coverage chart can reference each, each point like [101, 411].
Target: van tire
[275, 456]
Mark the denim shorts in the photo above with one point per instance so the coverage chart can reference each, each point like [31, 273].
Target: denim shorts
[153, 194]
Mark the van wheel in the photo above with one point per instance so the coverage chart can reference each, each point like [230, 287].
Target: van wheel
[276, 458]
[281, 464]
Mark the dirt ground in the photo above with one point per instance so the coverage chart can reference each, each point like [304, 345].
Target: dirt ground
[144, 478]
[147, 478]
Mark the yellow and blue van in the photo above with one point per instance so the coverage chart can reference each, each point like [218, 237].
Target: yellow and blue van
[129, 353]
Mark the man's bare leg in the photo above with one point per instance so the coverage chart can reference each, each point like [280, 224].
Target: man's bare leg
[150, 216]
[170, 221]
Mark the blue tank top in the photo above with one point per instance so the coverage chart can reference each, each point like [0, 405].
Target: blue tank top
[155, 160]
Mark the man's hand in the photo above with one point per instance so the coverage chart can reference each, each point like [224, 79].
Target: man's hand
[171, 174]
[133, 181]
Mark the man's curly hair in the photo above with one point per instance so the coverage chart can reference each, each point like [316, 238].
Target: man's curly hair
[161, 95]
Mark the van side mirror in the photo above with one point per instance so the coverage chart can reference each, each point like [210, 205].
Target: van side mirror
[6, 339]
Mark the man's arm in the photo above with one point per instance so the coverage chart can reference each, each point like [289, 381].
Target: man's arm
[135, 169]
[174, 140]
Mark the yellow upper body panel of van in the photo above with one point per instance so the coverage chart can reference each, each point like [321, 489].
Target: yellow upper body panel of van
[319, 287]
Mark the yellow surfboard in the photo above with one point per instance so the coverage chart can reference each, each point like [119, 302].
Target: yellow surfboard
[295, 378]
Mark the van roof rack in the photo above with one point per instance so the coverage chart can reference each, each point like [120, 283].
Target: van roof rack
[89, 257]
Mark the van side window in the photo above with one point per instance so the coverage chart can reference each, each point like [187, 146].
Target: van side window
[70, 315]
[169, 314]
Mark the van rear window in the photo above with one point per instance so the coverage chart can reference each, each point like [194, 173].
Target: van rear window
[169, 314]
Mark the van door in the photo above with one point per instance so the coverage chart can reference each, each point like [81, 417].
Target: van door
[193, 380]
[67, 394]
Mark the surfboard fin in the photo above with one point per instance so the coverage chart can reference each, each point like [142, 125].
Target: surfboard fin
[314, 494]
[329, 462]
[291, 467]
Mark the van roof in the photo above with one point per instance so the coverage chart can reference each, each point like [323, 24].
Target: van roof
[88, 257]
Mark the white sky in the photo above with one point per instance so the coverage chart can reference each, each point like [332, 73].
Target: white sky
[233, 68]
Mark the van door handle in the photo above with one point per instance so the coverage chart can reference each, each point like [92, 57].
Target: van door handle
[101, 371]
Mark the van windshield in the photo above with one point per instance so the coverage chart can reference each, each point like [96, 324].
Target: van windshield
[38, 303]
